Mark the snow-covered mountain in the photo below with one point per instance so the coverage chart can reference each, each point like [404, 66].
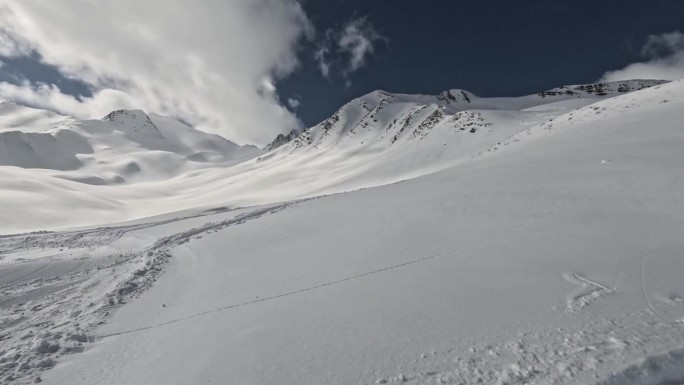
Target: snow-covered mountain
[533, 240]
[130, 165]
[385, 117]
[123, 147]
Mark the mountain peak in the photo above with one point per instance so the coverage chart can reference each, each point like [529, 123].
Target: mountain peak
[134, 121]
[282, 139]
[126, 115]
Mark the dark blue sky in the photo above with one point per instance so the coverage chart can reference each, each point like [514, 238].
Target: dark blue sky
[492, 48]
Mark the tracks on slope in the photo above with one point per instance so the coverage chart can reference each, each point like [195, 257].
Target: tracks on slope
[57, 299]
[273, 297]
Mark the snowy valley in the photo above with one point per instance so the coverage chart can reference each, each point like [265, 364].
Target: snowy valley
[419, 239]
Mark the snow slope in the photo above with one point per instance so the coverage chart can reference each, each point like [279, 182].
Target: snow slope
[124, 147]
[130, 165]
[552, 257]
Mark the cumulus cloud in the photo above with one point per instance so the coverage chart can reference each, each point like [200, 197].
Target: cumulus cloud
[347, 49]
[212, 63]
[665, 55]
[293, 103]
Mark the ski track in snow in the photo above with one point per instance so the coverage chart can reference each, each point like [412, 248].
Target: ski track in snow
[530, 359]
[588, 292]
[50, 305]
[266, 299]
[551, 357]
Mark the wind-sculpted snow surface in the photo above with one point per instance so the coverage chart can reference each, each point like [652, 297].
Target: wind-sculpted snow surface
[551, 253]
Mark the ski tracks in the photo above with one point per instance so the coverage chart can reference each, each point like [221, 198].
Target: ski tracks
[273, 297]
[588, 292]
[51, 304]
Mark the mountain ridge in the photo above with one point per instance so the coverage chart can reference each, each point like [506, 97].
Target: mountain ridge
[117, 173]
[459, 99]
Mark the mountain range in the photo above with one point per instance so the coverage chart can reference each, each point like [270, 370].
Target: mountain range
[65, 172]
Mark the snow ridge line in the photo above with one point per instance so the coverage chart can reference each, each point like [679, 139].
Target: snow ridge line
[287, 294]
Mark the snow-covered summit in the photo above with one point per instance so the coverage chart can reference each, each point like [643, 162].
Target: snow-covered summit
[125, 146]
[136, 121]
[385, 118]
[282, 139]
[127, 116]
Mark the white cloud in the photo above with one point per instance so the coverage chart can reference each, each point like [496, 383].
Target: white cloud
[11, 47]
[666, 60]
[348, 48]
[213, 63]
[357, 40]
[50, 97]
[293, 103]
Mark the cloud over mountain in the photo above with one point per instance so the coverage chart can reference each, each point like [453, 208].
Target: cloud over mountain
[212, 63]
